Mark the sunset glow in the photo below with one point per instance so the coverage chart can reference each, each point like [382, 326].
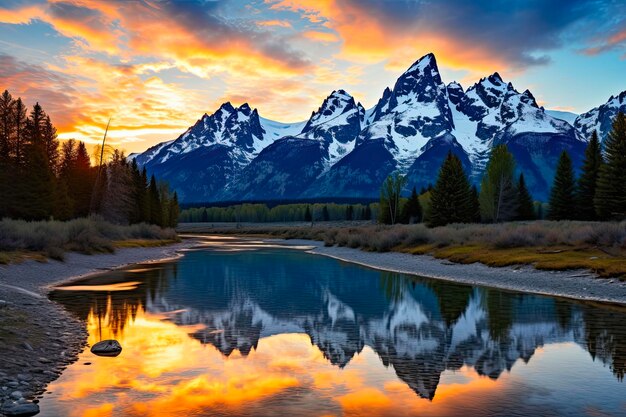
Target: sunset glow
[155, 67]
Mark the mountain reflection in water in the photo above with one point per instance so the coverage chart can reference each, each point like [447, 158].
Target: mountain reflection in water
[282, 332]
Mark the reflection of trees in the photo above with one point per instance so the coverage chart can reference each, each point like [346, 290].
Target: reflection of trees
[499, 309]
[453, 299]
[113, 309]
[393, 284]
[605, 337]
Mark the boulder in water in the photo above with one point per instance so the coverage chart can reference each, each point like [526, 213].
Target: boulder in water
[107, 348]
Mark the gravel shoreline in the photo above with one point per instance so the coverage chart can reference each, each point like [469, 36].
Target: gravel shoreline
[38, 337]
[574, 284]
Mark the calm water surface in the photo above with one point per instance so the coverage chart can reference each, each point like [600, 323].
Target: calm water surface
[257, 330]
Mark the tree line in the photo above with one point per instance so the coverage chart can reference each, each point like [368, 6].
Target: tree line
[261, 213]
[42, 179]
[599, 193]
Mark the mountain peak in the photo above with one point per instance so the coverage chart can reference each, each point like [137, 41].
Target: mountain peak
[337, 103]
[495, 78]
[424, 63]
[226, 106]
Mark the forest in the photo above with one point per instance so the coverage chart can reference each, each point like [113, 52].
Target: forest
[42, 179]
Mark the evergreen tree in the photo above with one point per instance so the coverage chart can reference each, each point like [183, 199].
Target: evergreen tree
[325, 214]
[63, 204]
[349, 212]
[412, 209]
[20, 131]
[51, 144]
[451, 195]
[586, 190]
[35, 198]
[475, 204]
[155, 202]
[562, 195]
[141, 189]
[204, 218]
[368, 213]
[307, 214]
[497, 189]
[610, 198]
[7, 125]
[174, 211]
[118, 202]
[82, 181]
[525, 206]
[7, 105]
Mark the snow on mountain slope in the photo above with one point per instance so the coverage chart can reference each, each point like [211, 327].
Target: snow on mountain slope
[288, 166]
[276, 130]
[336, 123]
[567, 116]
[236, 127]
[415, 111]
[600, 118]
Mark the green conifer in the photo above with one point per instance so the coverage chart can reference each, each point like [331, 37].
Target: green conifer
[588, 180]
[562, 195]
[610, 197]
[451, 196]
[525, 204]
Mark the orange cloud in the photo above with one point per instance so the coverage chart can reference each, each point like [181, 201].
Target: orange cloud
[368, 39]
[279, 23]
[88, 26]
[608, 43]
[325, 37]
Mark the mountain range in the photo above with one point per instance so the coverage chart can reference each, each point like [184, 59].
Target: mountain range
[344, 150]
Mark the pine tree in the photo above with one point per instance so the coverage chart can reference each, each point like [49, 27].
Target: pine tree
[368, 213]
[450, 197]
[51, 144]
[118, 201]
[35, 198]
[325, 214]
[7, 125]
[349, 212]
[412, 209]
[525, 206]
[63, 204]
[204, 218]
[475, 204]
[610, 198]
[174, 211]
[307, 214]
[562, 195]
[586, 190]
[156, 211]
[497, 189]
[82, 182]
[20, 125]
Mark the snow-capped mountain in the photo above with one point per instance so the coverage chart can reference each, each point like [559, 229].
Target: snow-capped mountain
[286, 167]
[600, 118]
[568, 116]
[345, 151]
[200, 162]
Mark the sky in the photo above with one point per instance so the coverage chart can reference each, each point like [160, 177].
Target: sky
[154, 67]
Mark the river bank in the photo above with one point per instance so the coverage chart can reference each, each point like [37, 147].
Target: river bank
[575, 284]
[39, 338]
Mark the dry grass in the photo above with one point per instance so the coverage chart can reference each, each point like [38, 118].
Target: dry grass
[599, 247]
[143, 243]
[21, 240]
